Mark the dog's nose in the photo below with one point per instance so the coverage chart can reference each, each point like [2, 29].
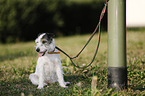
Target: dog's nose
[38, 49]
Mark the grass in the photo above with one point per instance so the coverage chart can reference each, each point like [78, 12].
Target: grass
[17, 61]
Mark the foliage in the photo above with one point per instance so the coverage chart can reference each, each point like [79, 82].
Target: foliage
[17, 61]
[22, 20]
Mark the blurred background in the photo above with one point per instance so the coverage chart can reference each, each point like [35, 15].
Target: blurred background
[23, 20]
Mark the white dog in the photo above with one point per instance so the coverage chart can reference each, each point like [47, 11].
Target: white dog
[48, 69]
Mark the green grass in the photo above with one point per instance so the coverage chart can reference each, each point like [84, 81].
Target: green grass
[17, 61]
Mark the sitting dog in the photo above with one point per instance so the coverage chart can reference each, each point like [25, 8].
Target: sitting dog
[48, 69]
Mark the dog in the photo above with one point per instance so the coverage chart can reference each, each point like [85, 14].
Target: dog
[48, 69]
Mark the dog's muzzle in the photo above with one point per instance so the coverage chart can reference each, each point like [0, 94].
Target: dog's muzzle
[38, 49]
[40, 54]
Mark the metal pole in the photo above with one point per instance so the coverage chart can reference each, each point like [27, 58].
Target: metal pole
[117, 70]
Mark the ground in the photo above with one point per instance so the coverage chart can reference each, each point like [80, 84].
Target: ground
[18, 60]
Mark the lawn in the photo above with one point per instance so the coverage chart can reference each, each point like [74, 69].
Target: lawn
[18, 60]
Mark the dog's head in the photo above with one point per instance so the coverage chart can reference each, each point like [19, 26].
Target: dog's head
[45, 43]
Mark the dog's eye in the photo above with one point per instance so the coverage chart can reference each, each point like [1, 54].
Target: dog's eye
[44, 42]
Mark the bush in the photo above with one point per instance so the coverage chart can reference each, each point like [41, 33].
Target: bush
[22, 20]
[80, 18]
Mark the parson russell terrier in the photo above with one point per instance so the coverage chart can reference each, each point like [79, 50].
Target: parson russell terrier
[48, 69]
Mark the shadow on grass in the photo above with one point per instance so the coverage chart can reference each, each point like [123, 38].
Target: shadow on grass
[138, 87]
[14, 87]
[74, 78]
[18, 86]
[16, 55]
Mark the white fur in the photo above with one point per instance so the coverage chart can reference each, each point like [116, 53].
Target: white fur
[48, 69]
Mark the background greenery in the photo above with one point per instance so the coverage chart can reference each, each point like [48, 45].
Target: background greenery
[22, 20]
[18, 61]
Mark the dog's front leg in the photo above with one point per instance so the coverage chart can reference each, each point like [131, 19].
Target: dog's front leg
[41, 78]
[59, 73]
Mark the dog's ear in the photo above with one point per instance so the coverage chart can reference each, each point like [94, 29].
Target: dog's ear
[50, 35]
[39, 34]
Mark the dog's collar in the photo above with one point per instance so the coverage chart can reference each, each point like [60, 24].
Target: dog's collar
[53, 52]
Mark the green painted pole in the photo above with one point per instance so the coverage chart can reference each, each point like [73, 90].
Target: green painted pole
[117, 68]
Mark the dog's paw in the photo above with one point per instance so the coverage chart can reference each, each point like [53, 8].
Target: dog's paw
[64, 86]
[67, 83]
[40, 87]
[45, 84]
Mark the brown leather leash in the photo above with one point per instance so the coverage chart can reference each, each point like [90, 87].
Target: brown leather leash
[99, 36]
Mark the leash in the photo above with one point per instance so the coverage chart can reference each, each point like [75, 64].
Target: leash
[99, 37]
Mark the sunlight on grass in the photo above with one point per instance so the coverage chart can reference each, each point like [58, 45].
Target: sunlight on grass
[17, 61]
